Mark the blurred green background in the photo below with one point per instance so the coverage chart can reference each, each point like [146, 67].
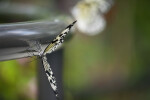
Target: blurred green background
[113, 65]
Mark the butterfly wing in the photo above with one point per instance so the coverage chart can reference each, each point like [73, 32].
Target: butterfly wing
[58, 40]
[50, 75]
[50, 48]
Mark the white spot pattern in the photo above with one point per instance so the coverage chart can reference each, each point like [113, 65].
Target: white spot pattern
[50, 48]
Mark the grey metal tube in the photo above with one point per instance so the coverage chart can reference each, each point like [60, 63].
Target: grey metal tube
[14, 38]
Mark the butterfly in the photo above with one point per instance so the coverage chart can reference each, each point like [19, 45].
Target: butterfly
[49, 49]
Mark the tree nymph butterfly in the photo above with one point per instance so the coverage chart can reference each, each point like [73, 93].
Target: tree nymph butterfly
[49, 49]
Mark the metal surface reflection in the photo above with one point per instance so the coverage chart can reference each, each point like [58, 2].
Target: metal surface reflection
[14, 38]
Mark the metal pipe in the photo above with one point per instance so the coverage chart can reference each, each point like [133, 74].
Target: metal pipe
[15, 39]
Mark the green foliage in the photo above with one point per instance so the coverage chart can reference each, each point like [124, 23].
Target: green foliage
[14, 79]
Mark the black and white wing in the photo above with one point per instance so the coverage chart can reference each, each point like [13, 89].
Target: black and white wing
[58, 40]
[50, 48]
[50, 75]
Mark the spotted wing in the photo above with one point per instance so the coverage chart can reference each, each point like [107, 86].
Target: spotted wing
[58, 40]
[50, 75]
[50, 48]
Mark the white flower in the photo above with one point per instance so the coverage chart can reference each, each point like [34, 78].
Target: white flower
[89, 14]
